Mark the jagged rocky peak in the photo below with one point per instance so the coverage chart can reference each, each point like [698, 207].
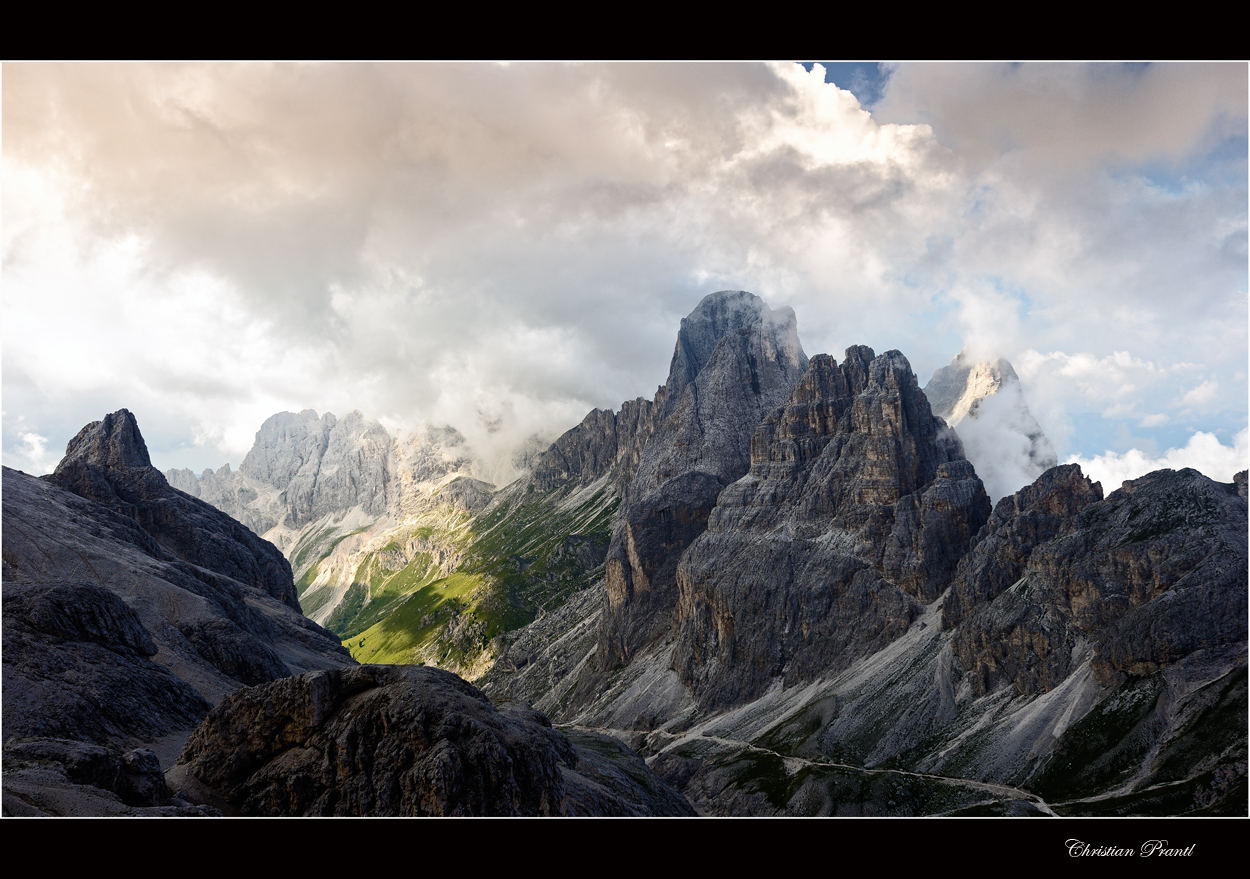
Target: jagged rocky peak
[605, 442]
[286, 444]
[1039, 512]
[613, 442]
[985, 402]
[721, 314]
[858, 505]
[325, 465]
[735, 360]
[129, 608]
[113, 443]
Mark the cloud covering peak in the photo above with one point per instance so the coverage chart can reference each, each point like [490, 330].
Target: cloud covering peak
[503, 247]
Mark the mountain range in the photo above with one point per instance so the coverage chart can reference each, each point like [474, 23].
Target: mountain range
[781, 581]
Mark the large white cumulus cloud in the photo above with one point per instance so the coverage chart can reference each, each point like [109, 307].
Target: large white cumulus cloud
[504, 246]
[1204, 452]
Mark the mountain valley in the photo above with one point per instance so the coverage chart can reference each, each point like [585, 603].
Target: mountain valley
[793, 585]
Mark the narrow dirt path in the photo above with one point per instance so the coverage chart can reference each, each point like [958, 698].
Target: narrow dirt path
[999, 791]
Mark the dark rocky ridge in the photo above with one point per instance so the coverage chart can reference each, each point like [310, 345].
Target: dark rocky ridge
[1150, 575]
[129, 608]
[403, 740]
[211, 631]
[136, 653]
[605, 442]
[1032, 516]
[857, 507]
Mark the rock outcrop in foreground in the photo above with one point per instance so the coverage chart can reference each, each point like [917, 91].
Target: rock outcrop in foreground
[403, 740]
[130, 607]
[129, 610]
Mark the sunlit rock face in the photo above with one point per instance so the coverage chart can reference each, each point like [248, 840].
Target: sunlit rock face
[324, 465]
[985, 403]
[735, 361]
[858, 505]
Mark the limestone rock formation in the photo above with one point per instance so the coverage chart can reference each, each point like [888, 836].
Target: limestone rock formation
[324, 465]
[857, 507]
[985, 403]
[1145, 578]
[604, 443]
[1019, 524]
[130, 607]
[735, 360]
[312, 482]
[400, 740]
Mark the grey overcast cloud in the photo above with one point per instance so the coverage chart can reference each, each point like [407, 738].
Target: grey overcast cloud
[502, 247]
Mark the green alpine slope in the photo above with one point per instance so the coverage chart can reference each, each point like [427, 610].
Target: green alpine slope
[523, 556]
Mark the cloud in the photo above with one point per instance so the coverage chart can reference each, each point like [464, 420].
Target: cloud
[1073, 115]
[209, 244]
[1204, 453]
[1200, 395]
[997, 440]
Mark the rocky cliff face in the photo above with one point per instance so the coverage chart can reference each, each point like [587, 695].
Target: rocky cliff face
[604, 443]
[324, 465]
[985, 403]
[1019, 524]
[857, 507]
[1098, 667]
[735, 360]
[1143, 579]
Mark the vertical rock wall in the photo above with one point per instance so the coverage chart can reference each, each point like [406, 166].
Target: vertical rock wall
[857, 507]
[735, 361]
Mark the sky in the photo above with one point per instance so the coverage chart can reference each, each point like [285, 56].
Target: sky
[502, 247]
